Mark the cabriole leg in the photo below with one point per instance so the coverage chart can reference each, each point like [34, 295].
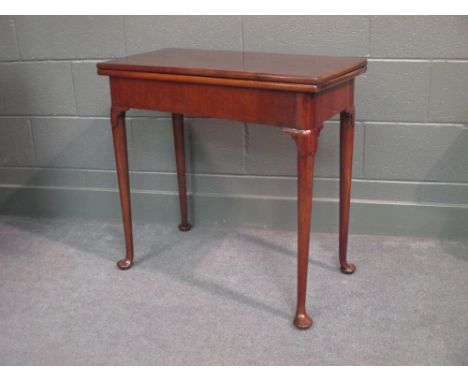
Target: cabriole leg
[121, 161]
[306, 142]
[346, 165]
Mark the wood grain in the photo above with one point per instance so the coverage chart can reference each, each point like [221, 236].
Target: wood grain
[272, 67]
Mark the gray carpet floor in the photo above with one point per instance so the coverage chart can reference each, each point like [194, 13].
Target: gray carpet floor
[218, 296]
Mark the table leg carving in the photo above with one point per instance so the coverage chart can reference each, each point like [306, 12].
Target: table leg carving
[306, 142]
[346, 165]
[121, 161]
[178, 128]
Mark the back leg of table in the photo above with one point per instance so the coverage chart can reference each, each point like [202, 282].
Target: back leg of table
[178, 128]
[121, 160]
[346, 165]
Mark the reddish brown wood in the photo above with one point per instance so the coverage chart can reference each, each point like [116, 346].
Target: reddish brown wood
[300, 110]
[233, 82]
[306, 143]
[332, 101]
[234, 103]
[178, 128]
[300, 92]
[121, 161]
[252, 84]
[346, 166]
[271, 67]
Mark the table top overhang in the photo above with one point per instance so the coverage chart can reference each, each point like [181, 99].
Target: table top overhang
[286, 70]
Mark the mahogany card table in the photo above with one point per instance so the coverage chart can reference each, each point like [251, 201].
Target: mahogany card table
[297, 92]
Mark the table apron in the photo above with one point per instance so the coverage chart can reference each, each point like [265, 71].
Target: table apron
[299, 110]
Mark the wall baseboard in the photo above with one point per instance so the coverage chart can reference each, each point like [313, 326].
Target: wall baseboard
[367, 216]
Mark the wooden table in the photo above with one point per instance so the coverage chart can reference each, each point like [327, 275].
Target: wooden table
[296, 92]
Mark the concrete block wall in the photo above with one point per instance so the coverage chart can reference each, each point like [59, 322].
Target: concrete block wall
[411, 157]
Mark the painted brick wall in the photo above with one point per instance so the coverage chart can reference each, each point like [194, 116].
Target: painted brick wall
[411, 148]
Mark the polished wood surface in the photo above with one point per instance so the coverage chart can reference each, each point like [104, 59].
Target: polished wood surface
[296, 92]
[346, 166]
[306, 143]
[272, 67]
[121, 160]
[178, 129]
[215, 101]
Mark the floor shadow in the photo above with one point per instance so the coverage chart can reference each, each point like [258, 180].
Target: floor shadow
[175, 257]
[181, 263]
[284, 251]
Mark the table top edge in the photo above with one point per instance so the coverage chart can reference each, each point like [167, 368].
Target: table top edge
[359, 66]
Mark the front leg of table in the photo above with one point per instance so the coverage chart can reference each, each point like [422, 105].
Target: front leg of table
[346, 165]
[121, 160]
[178, 128]
[306, 143]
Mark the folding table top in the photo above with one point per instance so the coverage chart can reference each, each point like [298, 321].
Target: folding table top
[320, 71]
